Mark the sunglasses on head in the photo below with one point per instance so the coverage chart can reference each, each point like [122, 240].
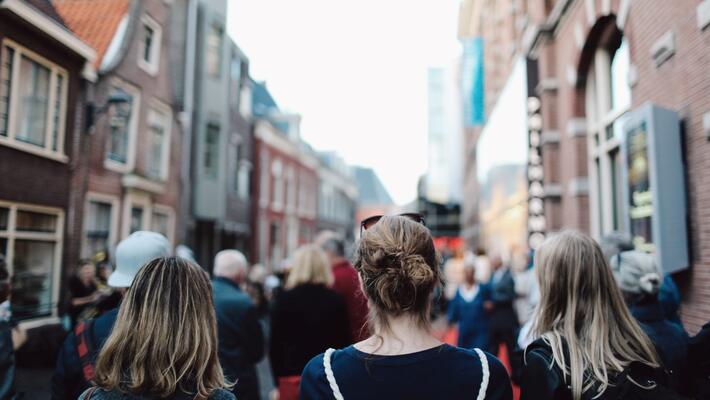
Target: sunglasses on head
[367, 223]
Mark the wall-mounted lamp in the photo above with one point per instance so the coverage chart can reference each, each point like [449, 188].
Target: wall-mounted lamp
[92, 112]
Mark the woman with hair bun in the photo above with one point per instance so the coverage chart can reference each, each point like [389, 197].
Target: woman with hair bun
[639, 279]
[399, 270]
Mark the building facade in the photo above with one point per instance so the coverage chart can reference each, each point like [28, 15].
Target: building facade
[615, 76]
[44, 73]
[130, 179]
[337, 196]
[286, 197]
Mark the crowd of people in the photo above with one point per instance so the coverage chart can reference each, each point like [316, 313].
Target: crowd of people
[597, 322]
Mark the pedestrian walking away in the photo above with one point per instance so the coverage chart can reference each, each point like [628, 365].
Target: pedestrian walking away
[589, 346]
[77, 357]
[241, 339]
[468, 311]
[146, 356]
[399, 269]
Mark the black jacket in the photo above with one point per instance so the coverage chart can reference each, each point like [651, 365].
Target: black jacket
[503, 317]
[305, 321]
[699, 362]
[68, 381]
[7, 362]
[241, 339]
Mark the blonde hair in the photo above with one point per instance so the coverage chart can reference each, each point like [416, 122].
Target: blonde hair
[310, 265]
[399, 268]
[581, 311]
[165, 335]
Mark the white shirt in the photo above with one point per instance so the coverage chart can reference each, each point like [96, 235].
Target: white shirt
[468, 294]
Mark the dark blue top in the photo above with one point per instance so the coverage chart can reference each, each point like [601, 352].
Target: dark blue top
[444, 372]
[472, 318]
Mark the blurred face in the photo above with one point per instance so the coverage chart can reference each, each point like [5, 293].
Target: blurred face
[470, 275]
[496, 263]
[87, 272]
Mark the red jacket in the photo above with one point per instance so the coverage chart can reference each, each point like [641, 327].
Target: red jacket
[347, 285]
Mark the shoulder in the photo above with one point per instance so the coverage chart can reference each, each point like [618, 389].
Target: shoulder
[221, 394]
[314, 373]
[96, 393]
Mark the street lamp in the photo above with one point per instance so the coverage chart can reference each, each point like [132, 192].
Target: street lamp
[117, 98]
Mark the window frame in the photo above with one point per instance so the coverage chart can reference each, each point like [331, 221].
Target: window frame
[131, 200]
[152, 66]
[211, 172]
[55, 71]
[603, 152]
[57, 237]
[115, 203]
[214, 28]
[132, 129]
[168, 212]
[160, 111]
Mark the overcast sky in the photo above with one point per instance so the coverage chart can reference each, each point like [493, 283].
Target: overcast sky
[356, 71]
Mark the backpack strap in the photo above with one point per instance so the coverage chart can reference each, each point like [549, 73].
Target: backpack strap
[85, 348]
[329, 375]
[486, 374]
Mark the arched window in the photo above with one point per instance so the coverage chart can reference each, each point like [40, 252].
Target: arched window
[607, 100]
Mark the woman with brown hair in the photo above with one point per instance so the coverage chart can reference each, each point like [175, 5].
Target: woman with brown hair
[164, 342]
[590, 345]
[399, 270]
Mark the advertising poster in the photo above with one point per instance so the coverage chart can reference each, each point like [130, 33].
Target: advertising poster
[641, 207]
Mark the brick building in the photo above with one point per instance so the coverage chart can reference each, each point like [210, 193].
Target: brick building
[599, 62]
[131, 177]
[44, 72]
[286, 196]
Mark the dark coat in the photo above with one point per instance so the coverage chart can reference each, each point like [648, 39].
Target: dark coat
[68, 380]
[670, 340]
[472, 318]
[503, 317]
[241, 339]
[305, 321]
[100, 394]
[699, 362]
[7, 362]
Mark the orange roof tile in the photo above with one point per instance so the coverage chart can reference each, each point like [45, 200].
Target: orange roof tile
[93, 21]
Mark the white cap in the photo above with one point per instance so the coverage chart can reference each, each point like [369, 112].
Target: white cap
[135, 251]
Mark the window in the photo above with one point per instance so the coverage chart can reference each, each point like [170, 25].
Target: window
[31, 241]
[211, 151]
[98, 231]
[234, 166]
[119, 143]
[213, 58]
[136, 219]
[149, 48]
[244, 180]
[158, 154]
[33, 97]
[278, 183]
[245, 102]
[161, 223]
[275, 243]
[235, 81]
[608, 98]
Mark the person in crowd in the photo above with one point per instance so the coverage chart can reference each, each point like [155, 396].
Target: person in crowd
[307, 318]
[10, 337]
[164, 342]
[454, 274]
[84, 293]
[347, 285]
[399, 269]
[699, 363]
[589, 345]
[503, 320]
[241, 340]
[77, 357]
[639, 279]
[467, 309]
[616, 243]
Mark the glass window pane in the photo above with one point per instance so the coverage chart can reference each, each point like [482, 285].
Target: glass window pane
[136, 219]
[33, 107]
[6, 61]
[211, 150]
[33, 266]
[28, 221]
[160, 223]
[4, 216]
[98, 229]
[620, 90]
[57, 112]
[157, 143]
[214, 52]
[120, 122]
[147, 43]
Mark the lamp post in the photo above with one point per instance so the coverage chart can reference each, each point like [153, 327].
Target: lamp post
[92, 111]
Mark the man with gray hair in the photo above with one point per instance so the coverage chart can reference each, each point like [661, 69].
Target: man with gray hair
[241, 339]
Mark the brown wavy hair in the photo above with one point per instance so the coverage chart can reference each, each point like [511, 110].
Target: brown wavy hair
[399, 268]
[165, 336]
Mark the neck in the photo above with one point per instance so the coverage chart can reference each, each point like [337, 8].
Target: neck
[403, 336]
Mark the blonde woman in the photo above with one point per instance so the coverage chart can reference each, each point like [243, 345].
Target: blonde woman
[590, 346]
[399, 270]
[307, 318]
[164, 342]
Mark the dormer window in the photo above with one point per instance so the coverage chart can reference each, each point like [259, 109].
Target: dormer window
[149, 47]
